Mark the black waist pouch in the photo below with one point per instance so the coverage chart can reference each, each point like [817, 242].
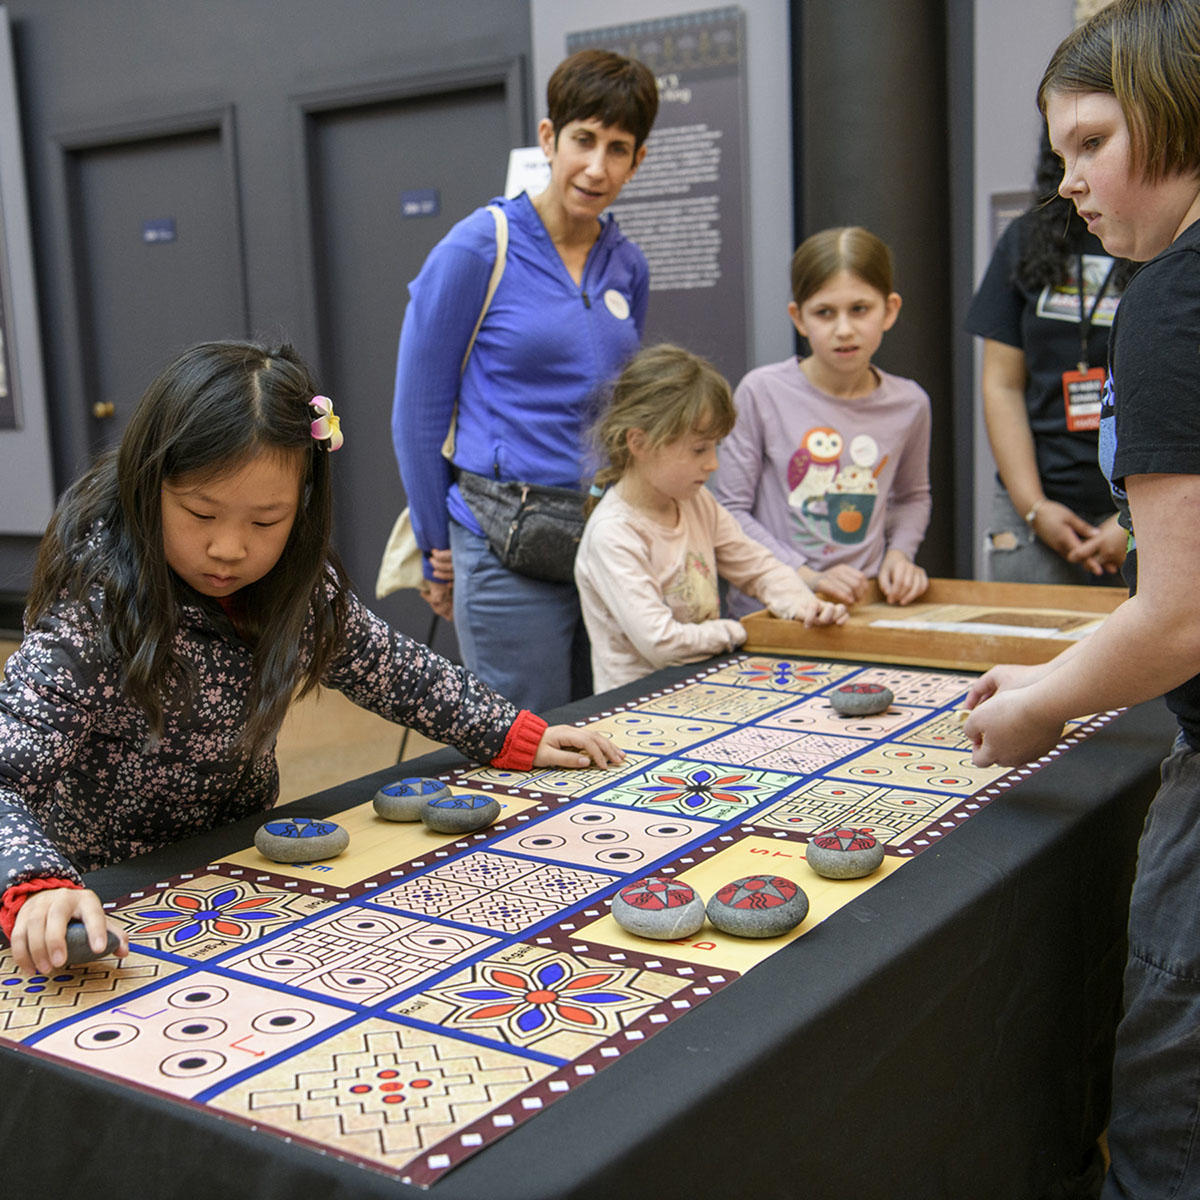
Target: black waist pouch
[533, 530]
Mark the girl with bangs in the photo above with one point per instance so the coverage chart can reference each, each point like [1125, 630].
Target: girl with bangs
[1121, 97]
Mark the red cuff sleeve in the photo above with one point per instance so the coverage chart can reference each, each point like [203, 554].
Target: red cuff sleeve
[20, 892]
[521, 745]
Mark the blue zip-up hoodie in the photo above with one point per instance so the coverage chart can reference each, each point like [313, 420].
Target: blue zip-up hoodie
[545, 347]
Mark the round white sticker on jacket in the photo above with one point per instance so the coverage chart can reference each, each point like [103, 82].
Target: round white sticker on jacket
[616, 304]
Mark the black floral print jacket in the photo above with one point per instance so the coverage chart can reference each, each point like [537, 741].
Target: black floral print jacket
[82, 785]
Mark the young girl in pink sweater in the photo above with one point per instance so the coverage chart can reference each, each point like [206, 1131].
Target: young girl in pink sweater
[656, 543]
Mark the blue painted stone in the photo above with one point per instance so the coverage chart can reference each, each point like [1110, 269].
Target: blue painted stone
[404, 800]
[300, 839]
[79, 950]
[462, 813]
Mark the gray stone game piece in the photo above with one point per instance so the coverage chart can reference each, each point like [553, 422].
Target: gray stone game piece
[758, 906]
[844, 853]
[300, 839]
[860, 699]
[464, 813]
[403, 800]
[79, 951]
[658, 907]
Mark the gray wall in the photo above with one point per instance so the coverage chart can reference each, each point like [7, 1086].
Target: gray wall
[1013, 43]
[85, 66]
[88, 65]
[26, 480]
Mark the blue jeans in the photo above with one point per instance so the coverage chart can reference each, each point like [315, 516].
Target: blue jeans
[1015, 554]
[523, 637]
[1154, 1133]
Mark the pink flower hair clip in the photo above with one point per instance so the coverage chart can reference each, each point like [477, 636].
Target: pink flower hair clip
[326, 426]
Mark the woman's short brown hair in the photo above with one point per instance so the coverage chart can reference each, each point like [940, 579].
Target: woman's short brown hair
[606, 86]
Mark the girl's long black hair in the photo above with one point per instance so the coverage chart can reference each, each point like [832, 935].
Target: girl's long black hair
[1054, 233]
[210, 411]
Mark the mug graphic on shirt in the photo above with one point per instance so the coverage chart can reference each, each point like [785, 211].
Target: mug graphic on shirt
[824, 492]
[848, 514]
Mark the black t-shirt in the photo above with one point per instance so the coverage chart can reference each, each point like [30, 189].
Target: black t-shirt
[1045, 324]
[1150, 423]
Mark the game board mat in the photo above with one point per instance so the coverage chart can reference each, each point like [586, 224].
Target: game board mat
[915, 1029]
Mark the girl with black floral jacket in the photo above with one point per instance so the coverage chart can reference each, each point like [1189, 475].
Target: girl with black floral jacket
[185, 592]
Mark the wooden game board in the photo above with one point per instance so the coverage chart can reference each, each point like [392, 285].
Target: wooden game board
[412, 1000]
[958, 623]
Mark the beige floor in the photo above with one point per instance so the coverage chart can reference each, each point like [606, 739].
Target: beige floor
[326, 740]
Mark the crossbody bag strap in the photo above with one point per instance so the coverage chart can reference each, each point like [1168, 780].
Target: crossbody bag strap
[501, 220]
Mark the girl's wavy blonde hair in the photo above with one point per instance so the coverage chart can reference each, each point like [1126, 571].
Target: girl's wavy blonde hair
[667, 392]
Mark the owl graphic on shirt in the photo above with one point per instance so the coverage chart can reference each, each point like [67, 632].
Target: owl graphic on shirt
[814, 466]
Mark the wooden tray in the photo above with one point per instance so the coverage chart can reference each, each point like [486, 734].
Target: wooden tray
[958, 623]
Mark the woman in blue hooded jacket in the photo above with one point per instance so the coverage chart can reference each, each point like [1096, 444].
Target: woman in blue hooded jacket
[567, 314]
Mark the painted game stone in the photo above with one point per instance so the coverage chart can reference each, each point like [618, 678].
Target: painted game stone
[758, 906]
[79, 951]
[844, 853]
[300, 839]
[658, 907]
[860, 699]
[403, 800]
[460, 814]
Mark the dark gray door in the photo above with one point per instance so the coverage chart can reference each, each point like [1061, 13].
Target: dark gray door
[365, 160]
[158, 261]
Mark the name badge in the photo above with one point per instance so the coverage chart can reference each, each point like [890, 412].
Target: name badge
[1082, 391]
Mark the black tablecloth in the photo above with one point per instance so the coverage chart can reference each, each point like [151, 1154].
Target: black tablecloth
[946, 1036]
